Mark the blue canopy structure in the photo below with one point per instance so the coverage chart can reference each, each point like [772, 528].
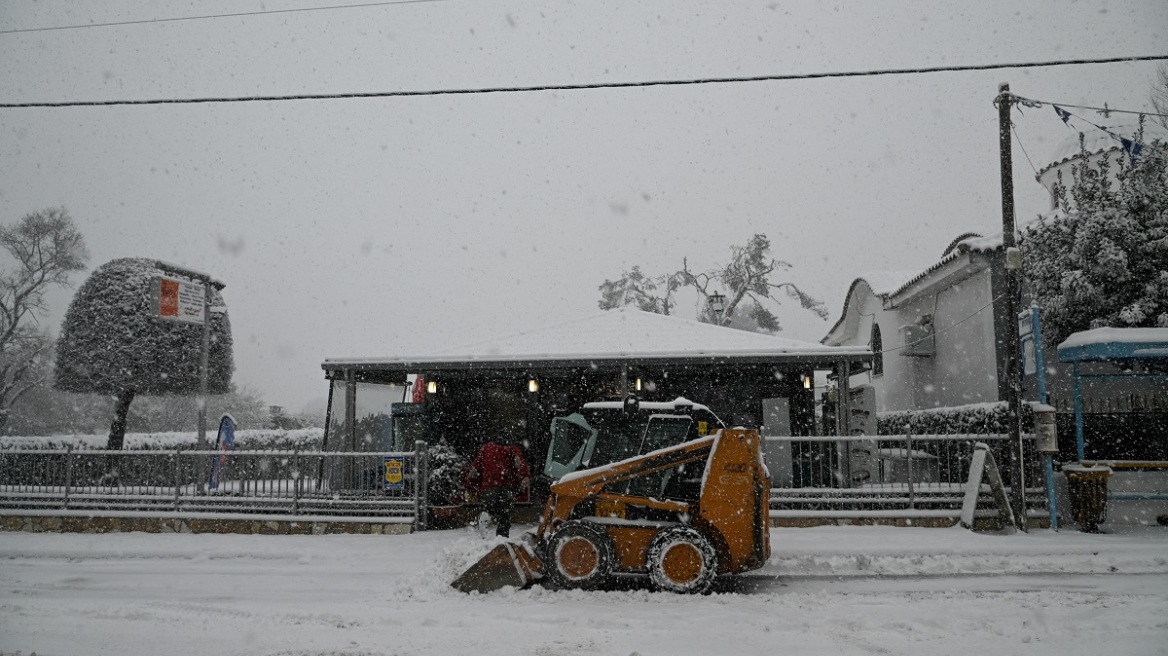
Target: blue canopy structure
[1110, 345]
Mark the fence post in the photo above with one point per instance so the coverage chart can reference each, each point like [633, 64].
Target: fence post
[177, 476]
[421, 482]
[908, 445]
[68, 472]
[296, 478]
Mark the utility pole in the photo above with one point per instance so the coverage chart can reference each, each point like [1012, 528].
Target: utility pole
[204, 358]
[1013, 262]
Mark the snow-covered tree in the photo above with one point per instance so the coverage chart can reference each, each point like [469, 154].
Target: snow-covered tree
[1102, 260]
[747, 279]
[46, 248]
[112, 344]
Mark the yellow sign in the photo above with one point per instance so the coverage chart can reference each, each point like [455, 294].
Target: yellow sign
[703, 428]
[605, 508]
[395, 473]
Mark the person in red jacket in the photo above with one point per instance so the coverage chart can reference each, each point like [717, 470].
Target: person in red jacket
[498, 473]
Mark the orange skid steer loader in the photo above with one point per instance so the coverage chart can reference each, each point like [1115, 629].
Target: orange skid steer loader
[682, 515]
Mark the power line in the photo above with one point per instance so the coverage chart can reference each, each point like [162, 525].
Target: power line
[190, 18]
[945, 329]
[1022, 146]
[1030, 102]
[578, 87]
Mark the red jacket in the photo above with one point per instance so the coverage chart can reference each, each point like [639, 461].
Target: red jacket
[496, 465]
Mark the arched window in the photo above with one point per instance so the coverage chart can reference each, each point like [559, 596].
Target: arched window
[877, 346]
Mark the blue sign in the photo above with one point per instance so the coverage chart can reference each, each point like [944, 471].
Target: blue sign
[224, 443]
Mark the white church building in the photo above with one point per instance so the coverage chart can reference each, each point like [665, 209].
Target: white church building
[934, 332]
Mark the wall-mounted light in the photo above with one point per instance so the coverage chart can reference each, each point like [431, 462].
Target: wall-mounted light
[806, 382]
[432, 387]
[638, 384]
[532, 385]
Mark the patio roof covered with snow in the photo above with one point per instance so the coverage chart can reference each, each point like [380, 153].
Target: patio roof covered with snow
[1103, 344]
[615, 336]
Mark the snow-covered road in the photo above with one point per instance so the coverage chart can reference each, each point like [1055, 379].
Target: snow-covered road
[826, 591]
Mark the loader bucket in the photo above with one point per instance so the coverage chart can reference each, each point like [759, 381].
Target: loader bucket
[507, 564]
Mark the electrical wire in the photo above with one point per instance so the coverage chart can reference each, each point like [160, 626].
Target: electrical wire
[1014, 129]
[190, 18]
[584, 86]
[946, 328]
[1030, 102]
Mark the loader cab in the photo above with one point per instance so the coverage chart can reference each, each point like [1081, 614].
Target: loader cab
[606, 432]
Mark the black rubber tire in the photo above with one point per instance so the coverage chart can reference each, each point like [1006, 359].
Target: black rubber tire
[697, 554]
[586, 540]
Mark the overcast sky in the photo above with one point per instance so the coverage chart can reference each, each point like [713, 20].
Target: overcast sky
[400, 225]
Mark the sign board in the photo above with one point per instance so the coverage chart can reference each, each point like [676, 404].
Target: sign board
[1029, 332]
[176, 299]
[225, 443]
[395, 473]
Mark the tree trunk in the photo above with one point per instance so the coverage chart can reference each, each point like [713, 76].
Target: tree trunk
[117, 434]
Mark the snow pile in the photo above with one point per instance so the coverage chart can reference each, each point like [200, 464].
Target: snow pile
[827, 590]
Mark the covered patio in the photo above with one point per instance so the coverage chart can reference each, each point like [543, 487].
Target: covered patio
[516, 384]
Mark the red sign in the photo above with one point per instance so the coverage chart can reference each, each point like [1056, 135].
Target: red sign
[168, 298]
[178, 300]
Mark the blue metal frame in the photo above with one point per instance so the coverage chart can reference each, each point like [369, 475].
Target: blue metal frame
[1106, 352]
[1040, 372]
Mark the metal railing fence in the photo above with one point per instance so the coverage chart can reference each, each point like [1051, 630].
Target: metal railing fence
[346, 485]
[887, 472]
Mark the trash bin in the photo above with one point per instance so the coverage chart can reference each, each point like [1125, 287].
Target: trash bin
[1087, 487]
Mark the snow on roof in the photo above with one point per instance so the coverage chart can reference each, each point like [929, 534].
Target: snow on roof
[1097, 141]
[648, 405]
[980, 245]
[617, 334]
[1116, 336]
[885, 283]
[882, 284]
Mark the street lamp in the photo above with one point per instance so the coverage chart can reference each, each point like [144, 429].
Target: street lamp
[717, 304]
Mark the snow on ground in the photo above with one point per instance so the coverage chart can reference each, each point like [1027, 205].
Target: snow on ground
[831, 590]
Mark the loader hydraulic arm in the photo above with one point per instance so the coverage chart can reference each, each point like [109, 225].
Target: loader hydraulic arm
[574, 488]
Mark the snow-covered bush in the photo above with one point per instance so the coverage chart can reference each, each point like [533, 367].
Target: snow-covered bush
[446, 468]
[112, 344]
[1103, 260]
[304, 439]
[977, 418]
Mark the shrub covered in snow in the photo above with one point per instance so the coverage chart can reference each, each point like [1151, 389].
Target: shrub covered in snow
[112, 344]
[305, 439]
[446, 468]
[976, 418]
[1103, 261]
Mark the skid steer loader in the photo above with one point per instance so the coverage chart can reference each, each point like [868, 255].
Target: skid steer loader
[682, 515]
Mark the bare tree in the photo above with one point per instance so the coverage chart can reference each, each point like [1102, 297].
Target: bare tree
[46, 248]
[1159, 95]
